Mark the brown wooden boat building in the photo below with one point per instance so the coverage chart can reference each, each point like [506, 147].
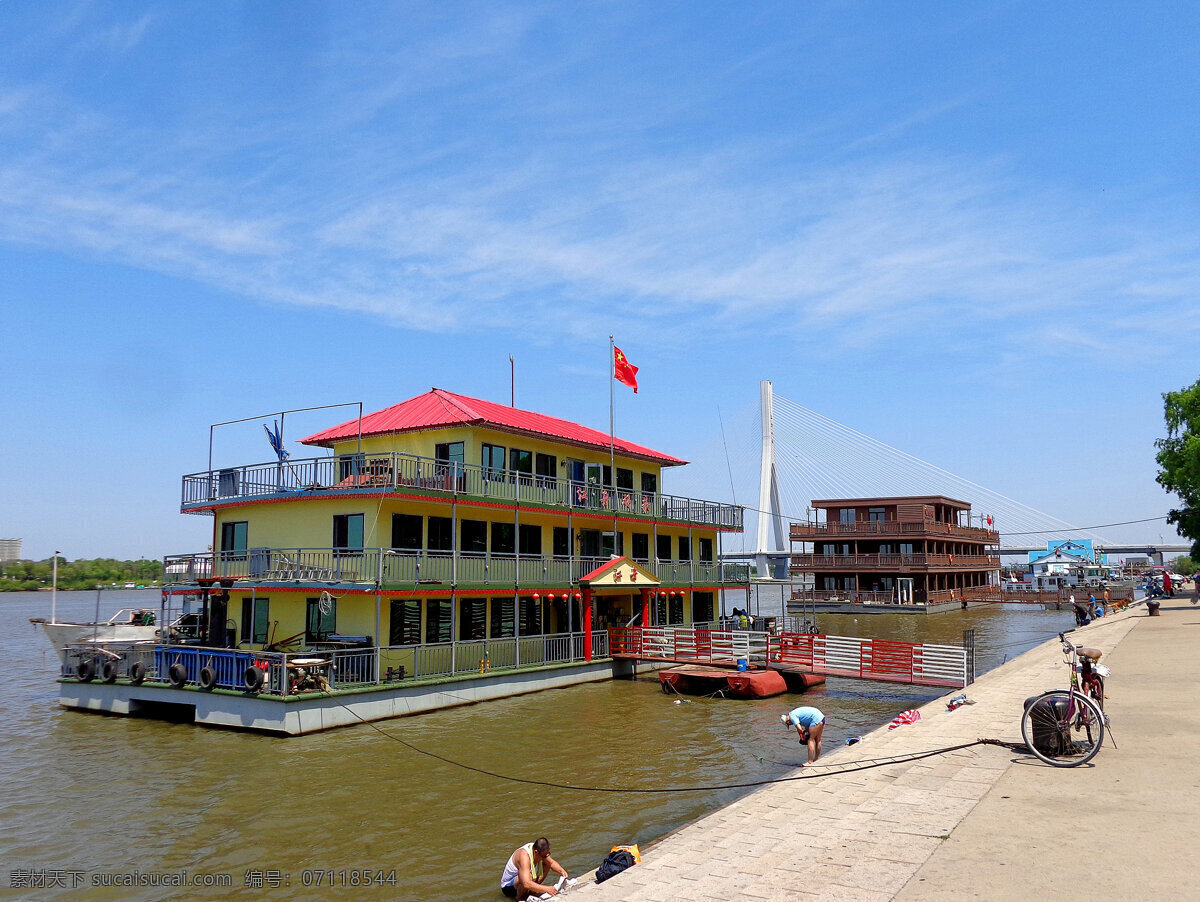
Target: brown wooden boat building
[905, 550]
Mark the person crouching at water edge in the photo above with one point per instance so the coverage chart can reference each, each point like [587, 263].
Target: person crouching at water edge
[526, 869]
[809, 724]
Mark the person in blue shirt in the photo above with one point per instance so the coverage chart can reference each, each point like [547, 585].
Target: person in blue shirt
[809, 724]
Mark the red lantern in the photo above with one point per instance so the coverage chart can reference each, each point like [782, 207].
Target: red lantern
[549, 596]
[536, 596]
[578, 596]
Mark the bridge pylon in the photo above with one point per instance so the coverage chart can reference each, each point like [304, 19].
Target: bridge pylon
[770, 517]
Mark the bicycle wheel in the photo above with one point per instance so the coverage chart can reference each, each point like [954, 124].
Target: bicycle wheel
[1062, 728]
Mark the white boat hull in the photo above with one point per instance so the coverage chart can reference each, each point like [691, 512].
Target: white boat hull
[63, 634]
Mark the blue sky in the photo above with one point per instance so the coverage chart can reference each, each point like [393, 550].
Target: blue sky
[968, 230]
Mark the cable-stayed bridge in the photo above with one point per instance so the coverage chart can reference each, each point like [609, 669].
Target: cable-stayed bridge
[804, 455]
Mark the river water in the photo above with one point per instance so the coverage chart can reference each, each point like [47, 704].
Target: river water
[92, 796]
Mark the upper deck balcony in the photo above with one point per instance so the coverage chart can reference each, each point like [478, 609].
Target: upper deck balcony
[409, 475]
[823, 532]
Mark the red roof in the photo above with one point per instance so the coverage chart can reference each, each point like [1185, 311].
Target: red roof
[440, 409]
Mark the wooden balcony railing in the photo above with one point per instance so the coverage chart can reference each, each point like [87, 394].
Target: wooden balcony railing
[817, 532]
[809, 562]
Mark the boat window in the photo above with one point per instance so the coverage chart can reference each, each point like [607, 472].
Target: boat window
[473, 536]
[472, 622]
[546, 465]
[706, 552]
[405, 623]
[531, 617]
[650, 483]
[530, 539]
[624, 478]
[503, 541]
[348, 532]
[641, 546]
[441, 534]
[319, 626]
[503, 614]
[663, 548]
[520, 461]
[406, 531]
[492, 458]
[589, 542]
[877, 514]
[846, 514]
[437, 620]
[562, 541]
[607, 546]
[675, 609]
[685, 552]
[233, 540]
[259, 609]
[702, 607]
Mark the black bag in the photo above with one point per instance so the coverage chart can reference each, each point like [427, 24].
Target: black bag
[616, 862]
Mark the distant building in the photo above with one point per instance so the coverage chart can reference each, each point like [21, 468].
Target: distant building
[915, 549]
[10, 550]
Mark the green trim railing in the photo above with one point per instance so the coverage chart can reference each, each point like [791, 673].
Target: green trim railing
[397, 472]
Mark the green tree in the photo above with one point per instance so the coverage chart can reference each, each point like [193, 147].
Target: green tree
[1183, 565]
[1179, 460]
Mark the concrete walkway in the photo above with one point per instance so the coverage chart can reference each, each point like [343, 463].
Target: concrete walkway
[983, 822]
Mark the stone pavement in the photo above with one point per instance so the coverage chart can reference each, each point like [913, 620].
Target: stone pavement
[981, 822]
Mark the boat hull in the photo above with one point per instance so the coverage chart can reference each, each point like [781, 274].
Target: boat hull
[61, 635]
[696, 680]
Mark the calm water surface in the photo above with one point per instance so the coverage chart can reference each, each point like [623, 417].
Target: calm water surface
[98, 794]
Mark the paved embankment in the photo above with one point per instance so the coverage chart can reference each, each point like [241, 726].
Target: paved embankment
[982, 822]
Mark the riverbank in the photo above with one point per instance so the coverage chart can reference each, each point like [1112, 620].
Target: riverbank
[983, 821]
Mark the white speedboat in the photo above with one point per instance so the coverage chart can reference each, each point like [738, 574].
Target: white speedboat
[127, 625]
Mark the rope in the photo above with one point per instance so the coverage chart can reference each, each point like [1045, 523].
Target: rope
[848, 768]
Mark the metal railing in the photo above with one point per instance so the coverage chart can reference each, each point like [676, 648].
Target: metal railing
[808, 532]
[121, 655]
[406, 472]
[837, 561]
[388, 566]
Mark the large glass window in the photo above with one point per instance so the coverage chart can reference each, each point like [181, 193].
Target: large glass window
[503, 541]
[437, 620]
[624, 478]
[492, 457]
[406, 532]
[441, 534]
[906, 547]
[474, 536]
[706, 550]
[233, 540]
[520, 461]
[846, 514]
[405, 622]
[650, 482]
[562, 541]
[589, 542]
[502, 617]
[320, 624]
[685, 549]
[675, 609]
[530, 539]
[876, 514]
[348, 532]
[259, 609]
[546, 465]
[610, 544]
[472, 620]
[641, 546]
[663, 548]
[702, 607]
[531, 617]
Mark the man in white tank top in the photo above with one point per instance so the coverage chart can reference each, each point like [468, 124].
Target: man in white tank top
[526, 869]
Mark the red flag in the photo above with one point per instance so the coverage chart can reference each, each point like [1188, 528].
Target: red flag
[625, 371]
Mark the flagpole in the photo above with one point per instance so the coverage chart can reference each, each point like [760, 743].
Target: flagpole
[612, 441]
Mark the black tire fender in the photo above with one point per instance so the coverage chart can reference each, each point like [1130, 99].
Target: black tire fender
[137, 673]
[177, 676]
[85, 672]
[253, 679]
[208, 679]
[109, 671]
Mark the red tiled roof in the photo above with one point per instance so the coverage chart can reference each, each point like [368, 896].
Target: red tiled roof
[439, 409]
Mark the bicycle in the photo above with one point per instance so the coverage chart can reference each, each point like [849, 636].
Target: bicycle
[1065, 727]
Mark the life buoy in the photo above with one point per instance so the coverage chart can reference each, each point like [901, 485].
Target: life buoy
[137, 673]
[208, 679]
[177, 676]
[84, 671]
[253, 678]
[108, 671]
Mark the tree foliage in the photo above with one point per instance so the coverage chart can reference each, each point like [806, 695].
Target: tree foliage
[18, 576]
[1183, 565]
[1179, 460]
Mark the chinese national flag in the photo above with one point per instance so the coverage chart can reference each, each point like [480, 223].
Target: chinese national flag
[625, 371]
